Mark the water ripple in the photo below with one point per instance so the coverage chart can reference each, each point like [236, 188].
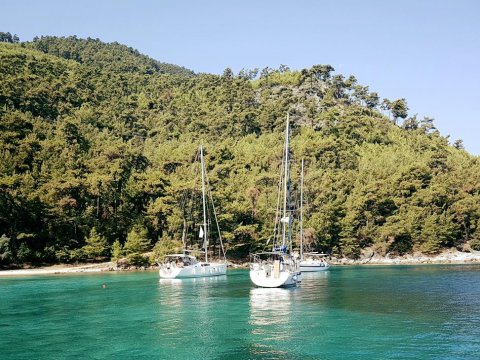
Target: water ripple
[407, 312]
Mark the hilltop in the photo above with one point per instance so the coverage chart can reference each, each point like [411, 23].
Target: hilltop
[115, 57]
[97, 143]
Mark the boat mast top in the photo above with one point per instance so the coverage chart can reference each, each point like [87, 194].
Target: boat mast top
[205, 238]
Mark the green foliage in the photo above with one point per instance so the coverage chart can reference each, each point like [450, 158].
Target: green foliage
[399, 109]
[163, 247]
[117, 251]
[6, 255]
[9, 38]
[277, 78]
[24, 253]
[475, 244]
[96, 245]
[438, 231]
[113, 56]
[96, 136]
[137, 243]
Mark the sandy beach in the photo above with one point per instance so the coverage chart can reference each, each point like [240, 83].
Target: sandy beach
[61, 269]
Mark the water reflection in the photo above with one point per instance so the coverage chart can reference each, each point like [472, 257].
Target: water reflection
[187, 309]
[199, 280]
[173, 282]
[270, 318]
[172, 291]
[315, 286]
[267, 300]
[319, 275]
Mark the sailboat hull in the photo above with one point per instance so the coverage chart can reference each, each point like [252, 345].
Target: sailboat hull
[264, 278]
[193, 271]
[313, 266]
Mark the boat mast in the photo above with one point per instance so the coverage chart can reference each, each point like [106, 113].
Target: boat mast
[285, 182]
[184, 235]
[205, 239]
[301, 215]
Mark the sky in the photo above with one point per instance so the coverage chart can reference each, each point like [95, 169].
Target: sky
[426, 51]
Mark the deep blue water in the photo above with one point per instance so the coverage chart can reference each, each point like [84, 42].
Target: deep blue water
[401, 312]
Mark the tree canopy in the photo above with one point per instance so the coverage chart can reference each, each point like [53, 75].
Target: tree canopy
[97, 144]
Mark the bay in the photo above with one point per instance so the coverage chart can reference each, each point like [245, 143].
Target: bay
[376, 312]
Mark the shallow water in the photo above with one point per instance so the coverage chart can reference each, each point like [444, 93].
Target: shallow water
[401, 312]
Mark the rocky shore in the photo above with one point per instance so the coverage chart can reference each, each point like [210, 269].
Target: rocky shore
[450, 256]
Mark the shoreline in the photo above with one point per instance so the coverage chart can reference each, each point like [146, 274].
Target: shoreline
[62, 269]
[450, 256]
[372, 259]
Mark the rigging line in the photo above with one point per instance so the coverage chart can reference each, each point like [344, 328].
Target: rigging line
[192, 207]
[301, 211]
[183, 205]
[215, 215]
[183, 200]
[291, 214]
[205, 233]
[188, 201]
[277, 209]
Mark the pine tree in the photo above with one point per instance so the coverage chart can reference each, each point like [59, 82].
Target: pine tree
[137, 243]
[117, 251]
[96, 246]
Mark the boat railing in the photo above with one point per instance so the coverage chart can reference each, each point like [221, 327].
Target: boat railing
[268, 265]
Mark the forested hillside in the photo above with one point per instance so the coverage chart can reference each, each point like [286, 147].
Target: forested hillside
[97, 147]
[113, 56]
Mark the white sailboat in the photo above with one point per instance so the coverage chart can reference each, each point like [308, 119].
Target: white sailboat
[278, 268]
[184, 265]
[314, 262]
[309, 262]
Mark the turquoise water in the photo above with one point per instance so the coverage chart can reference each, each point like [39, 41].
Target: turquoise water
[407, 312]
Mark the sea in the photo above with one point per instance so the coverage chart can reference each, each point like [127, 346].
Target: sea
[354, 312]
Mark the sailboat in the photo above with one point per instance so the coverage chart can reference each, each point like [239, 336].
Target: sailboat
[185, 265]
[278, 268]
[309, 262]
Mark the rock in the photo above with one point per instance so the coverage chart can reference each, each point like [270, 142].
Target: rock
[466, 248]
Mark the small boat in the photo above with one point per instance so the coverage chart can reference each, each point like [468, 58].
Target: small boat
[278, 268]
[176, 266]
[184, 265]
[313, 262]
[309, 262]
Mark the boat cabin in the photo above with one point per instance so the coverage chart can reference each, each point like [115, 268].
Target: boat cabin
[180, 260]
[271, 256]
[315, 256]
